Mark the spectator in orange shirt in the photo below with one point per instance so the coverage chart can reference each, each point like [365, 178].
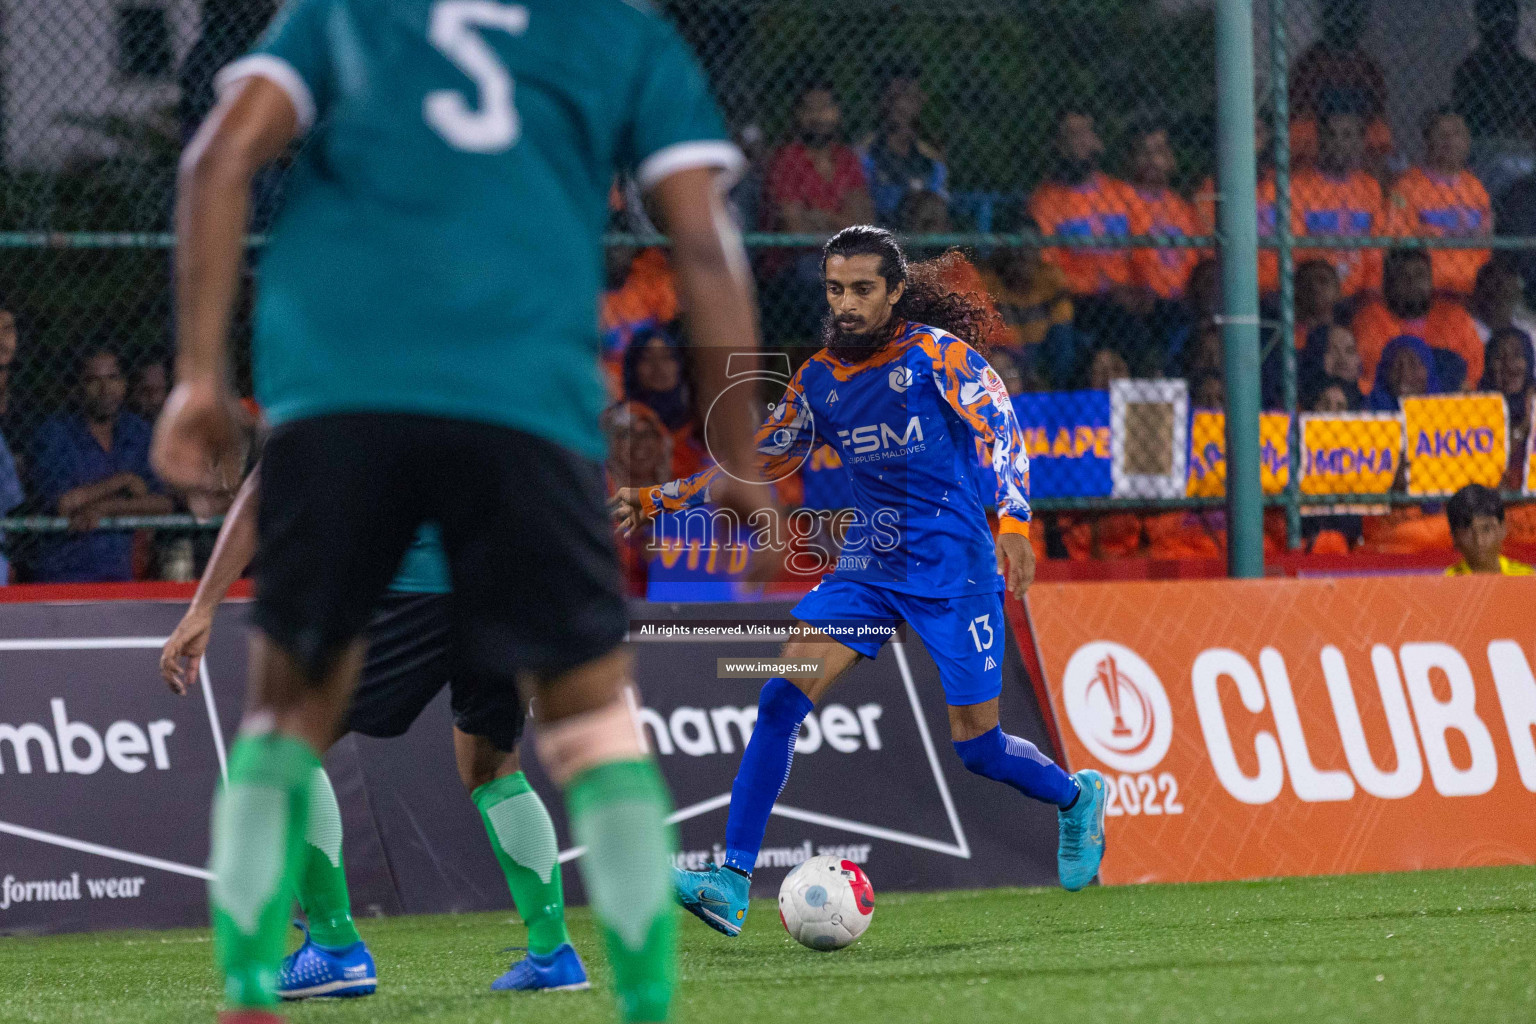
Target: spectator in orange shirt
[1443, 199]
[1339, 198]
[1336, 73]
[639, 291]
[1036, 308]
[1411, 310]
[1081, 201]
[1163, 211]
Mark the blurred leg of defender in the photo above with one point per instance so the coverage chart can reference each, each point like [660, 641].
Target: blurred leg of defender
[334, 521]
[538, 602]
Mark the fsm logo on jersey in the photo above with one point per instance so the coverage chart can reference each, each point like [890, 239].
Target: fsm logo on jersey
[1117, 706]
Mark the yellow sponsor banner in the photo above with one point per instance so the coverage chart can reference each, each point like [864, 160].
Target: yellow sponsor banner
[1455, 440]
[1350, 453]
[1530, 454]
[1208, 453]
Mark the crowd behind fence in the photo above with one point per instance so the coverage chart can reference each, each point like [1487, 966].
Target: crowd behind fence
[1066, 147]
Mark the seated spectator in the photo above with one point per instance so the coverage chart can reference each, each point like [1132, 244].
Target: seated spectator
[639, 455]
[816, 184]
[897, 161]
[1511, 371]
[655, 376]
[90, 464]
[1475, 515]
[1081, 201]
[1338, 197]
[1407, 368]
[1200, 306]
[921, 212]
[1443, 199]
[639, 292]
[1328, 371]
[1208, 391]
[1495, 84]
[1498, 300]
[1105, 365]
[1411, 309]
[1317, 298]
[1333, 72]
[1163, 212]
[147, 388]
[1033, 300]
[15, 424]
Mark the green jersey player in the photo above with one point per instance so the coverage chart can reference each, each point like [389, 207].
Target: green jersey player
[425, 348]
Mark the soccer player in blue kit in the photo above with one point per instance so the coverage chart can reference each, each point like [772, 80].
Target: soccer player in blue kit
[902, 395]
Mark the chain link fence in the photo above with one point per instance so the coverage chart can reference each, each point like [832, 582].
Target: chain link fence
[1065, 146]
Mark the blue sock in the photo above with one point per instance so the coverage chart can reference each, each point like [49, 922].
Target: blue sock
[1018, 763]
[781, 708]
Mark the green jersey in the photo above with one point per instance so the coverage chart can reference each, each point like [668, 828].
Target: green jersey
[439, 247]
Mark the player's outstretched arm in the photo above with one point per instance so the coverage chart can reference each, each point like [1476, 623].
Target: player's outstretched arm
[198, 436]
[232, 552]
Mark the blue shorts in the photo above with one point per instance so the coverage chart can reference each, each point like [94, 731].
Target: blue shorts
[964, 635]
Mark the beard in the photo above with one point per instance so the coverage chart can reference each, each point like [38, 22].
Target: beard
[1075, 172]
[1412, 307]
[850, 347]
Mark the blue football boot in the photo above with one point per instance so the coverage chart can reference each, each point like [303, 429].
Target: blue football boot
[1080, 844]
[717, 896]
[312, 971]
[559, 970]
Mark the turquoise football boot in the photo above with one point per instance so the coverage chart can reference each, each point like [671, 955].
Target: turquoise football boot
[717, 896]
[1080, 843]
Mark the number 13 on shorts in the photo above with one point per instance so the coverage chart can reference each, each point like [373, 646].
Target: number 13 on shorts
[981, 626]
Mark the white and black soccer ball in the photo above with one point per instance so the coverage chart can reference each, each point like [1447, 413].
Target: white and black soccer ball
[826, 903]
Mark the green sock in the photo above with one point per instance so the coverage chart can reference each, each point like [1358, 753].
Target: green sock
[322, 881]
[258, 835]
[618, 812]
[524, 840]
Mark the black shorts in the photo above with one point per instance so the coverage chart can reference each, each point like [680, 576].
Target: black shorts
[410, 659]
[529, 547]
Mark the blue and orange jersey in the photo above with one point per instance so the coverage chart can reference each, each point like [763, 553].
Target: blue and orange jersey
[1166, 213]
[1433, 205]
[1352, 205]
[1101, 207]
[903, 423]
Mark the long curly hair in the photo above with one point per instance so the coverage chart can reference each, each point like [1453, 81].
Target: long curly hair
[933, 295]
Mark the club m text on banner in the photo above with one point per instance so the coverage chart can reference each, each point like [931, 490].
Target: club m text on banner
[1350, 453]
[1251, 729]
[1455, 440]
[1208, 453]
[1067, 436]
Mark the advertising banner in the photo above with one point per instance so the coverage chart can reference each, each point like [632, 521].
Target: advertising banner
[1350, 453]
[1258, 728]
[106, 778]
[1067, 436]
[1455, 440]
[1208, 453]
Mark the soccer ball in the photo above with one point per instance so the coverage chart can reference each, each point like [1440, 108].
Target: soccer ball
[826, 903]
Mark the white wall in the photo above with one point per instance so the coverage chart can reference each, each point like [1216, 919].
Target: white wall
[58, 59]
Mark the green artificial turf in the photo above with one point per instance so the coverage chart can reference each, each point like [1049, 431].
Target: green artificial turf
[1442, 947]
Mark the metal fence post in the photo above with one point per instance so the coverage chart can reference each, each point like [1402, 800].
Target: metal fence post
[1238, 227]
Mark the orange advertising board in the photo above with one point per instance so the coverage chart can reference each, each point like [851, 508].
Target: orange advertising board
[1254, 728]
